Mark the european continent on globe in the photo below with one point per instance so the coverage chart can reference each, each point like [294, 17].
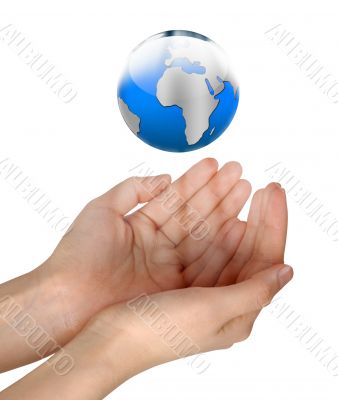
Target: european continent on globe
[177, 92]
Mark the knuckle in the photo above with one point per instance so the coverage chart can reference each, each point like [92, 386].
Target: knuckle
[248, 329]
[226, 346]
[92, 203]
[134, 180]
[245, 332]
[244, 336]
[264, 296]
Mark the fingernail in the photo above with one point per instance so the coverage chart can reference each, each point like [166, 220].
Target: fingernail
[285, 275]
[278, 184]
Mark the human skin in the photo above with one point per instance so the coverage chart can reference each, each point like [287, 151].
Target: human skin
[108, 257]
[118, 342]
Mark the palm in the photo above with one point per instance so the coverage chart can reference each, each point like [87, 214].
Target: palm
[168, 257]
[118, 257]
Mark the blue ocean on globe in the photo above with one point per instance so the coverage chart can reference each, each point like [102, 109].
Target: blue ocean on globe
[177, 92]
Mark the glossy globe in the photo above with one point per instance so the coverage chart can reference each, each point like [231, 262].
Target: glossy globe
[178, 92]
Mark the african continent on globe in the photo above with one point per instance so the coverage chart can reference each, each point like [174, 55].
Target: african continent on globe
[177, 92]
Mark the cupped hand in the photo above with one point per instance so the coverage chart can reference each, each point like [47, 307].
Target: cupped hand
[186, 235]
[151, 330]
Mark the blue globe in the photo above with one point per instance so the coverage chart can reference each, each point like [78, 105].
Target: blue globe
[177, 92]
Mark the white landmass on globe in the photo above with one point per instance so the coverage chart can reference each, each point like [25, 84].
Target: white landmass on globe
[200, 51]
[190, 90]
[131, 119]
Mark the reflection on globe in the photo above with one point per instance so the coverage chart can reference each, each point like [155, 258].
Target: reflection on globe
[177, 92]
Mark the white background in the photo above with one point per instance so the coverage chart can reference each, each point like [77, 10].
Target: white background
[76, 151]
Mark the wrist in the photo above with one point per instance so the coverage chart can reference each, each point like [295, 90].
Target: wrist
[110, 341]
[121, 347]
[54, 292]
[27, 307]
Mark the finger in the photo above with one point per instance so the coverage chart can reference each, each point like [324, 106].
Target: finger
[245, 250]
[133, 191]
[202, 203]
[206, 273]
[255, 225]
[270, 242]
[190, 249]
[256, 292]
[271, 238]
[162, 207]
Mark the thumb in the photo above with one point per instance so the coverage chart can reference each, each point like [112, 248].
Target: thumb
[133, 191]
[258, 291]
